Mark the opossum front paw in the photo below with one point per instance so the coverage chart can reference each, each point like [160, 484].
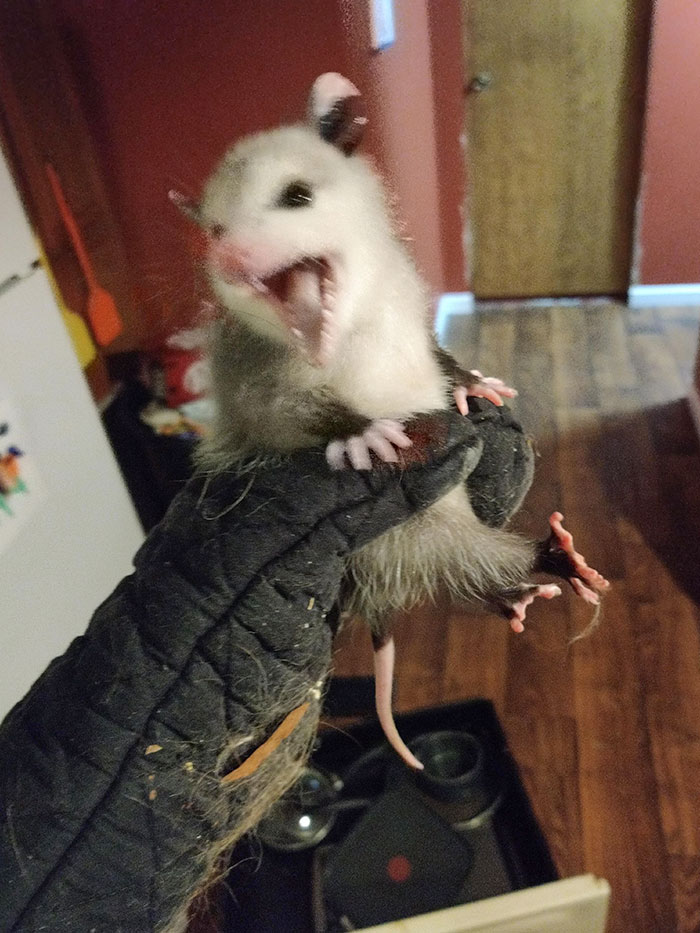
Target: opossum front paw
[561, 556]
[515, 609]
[381, 437]
[488, 387]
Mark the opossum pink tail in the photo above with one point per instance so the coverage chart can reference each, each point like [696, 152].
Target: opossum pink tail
[383, 681]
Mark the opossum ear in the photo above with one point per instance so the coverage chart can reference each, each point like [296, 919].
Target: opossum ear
[337, 111]
[188, 206]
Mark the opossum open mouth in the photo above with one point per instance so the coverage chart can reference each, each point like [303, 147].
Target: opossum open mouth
[303, 295]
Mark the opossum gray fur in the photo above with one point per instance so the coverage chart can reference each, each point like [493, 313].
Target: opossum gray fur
[326, 339]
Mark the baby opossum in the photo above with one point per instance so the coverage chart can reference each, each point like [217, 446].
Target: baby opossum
[325, 338]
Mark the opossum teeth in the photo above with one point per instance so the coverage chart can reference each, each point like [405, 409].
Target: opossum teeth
[258, 284]
[327, 336]
[326, 340]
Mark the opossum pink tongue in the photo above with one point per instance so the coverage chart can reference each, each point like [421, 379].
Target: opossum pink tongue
[305, 296]
[383, 681]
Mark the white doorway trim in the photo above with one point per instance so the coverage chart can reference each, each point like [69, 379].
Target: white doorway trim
[451, 304]
[649, 296]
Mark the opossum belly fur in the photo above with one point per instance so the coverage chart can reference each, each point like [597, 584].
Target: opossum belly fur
[445, 544]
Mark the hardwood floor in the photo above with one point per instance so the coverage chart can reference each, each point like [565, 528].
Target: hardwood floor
[606, 731]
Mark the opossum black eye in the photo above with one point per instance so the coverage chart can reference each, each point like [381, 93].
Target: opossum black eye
[296, 194]
[217, 231]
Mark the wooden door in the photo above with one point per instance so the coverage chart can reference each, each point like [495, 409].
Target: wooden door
[554, 117]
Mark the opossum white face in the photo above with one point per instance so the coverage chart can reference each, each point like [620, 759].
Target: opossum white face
[286, 215]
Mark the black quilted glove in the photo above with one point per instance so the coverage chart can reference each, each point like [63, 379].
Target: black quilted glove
[120, 770]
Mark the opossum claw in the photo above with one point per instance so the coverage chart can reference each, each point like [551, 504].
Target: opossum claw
[488, 387]
[383, 682]
[585, 592]
[499, 386]
[584, 580]
[516, 614]
[381, 437]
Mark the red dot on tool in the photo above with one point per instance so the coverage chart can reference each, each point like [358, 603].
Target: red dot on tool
[398, 868]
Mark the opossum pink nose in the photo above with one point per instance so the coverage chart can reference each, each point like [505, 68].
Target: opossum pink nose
[231, 259]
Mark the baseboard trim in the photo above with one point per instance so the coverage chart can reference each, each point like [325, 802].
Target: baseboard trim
[694, 405]
[648, 296]
[452, 304]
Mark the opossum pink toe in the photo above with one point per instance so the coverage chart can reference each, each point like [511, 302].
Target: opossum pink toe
[376, 441]
[482, 390]
[393, 431]
[460, 396]
[358, 453]
[589, 574]
[587, 594]
[381, 437]
[500, 386]
[491, 395]
[488, 387]
[581, 569]
[564, 537]
[335, 455]
[518, 609]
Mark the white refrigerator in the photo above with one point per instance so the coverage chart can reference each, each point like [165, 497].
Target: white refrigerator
[68, 529]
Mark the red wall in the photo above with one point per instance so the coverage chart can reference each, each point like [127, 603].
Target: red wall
[168, 86]
[415, 98]
[446, 54]
[670, 227]
[398, 86]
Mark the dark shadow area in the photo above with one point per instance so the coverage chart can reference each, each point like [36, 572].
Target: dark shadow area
[648, 463]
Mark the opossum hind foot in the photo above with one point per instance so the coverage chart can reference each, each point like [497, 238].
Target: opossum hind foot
[560, 557]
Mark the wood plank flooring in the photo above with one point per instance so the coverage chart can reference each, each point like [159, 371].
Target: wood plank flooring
[606, 731]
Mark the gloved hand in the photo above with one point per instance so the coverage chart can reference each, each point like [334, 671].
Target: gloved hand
[192, 700]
